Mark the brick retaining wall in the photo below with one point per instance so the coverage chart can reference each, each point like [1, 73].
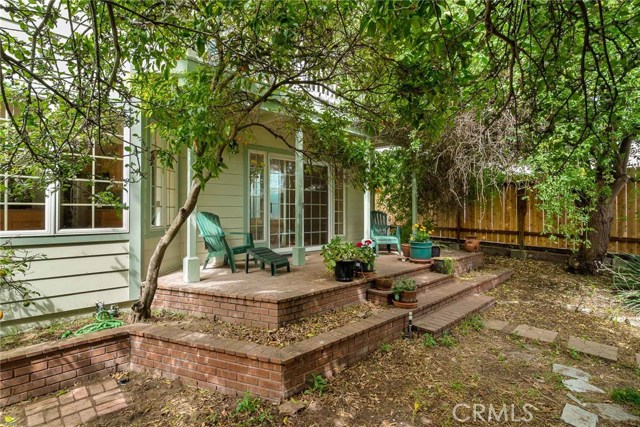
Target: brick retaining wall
[225, 365]
[48, 367]
[261, 312]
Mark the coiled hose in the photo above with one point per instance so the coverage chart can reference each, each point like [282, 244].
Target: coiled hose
[104, 320]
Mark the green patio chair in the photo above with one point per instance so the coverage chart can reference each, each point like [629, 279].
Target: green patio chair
[380, 232]
[215, 240]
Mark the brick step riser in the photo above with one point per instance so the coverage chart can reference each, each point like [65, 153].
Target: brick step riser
[269, 314]
[441, 331]
[476, 289]
[381, 297]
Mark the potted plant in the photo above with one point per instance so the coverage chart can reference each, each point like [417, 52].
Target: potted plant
[405, 293]
[340, 259]
[435, 251]
[365, 256]
[421, 240]
[472, 243]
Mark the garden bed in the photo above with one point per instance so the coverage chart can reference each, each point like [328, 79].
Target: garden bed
[285, 335]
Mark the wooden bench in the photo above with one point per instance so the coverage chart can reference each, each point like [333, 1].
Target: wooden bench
[266, 256]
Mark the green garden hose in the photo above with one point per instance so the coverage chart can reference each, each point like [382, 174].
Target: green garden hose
[104, 320]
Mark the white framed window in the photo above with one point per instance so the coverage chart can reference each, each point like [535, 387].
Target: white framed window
[89, 202]
[163, 187]
[80, 205]
[25, 207]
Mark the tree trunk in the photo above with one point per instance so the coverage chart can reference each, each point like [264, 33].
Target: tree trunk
[591, 254]
[141, 309]
[593, 250]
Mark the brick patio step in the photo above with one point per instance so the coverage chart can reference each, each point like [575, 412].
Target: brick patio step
[445, 318]
[424, 281]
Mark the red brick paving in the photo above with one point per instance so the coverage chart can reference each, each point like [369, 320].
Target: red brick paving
[76, 406]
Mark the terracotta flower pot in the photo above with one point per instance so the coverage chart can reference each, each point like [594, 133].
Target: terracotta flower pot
[406, 250]
[408, 299]
[383, 283]
[472, 244]
[409, 296]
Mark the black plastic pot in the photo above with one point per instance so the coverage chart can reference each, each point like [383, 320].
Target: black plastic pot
[345, 270]
[435, 251]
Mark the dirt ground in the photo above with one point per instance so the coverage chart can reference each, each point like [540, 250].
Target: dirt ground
[408, 383]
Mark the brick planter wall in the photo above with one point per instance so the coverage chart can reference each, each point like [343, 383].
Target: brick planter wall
[225, 365]
[255, 311]
[48, 367]
[260, 312]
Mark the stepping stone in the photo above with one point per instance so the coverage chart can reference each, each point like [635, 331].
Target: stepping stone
[580, 386]
[531, 332]
[614, 412]
[568, 371]
[577, 417]
[522, 355]
[575, 399]
[496, 325]
[592, 348]
[291, 408]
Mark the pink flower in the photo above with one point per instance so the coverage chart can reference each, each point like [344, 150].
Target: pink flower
[359, 244]
[368, 242]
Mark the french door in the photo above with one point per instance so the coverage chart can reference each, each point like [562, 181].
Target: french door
[272, 218]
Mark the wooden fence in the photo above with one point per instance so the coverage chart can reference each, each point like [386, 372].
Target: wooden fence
[498, 220]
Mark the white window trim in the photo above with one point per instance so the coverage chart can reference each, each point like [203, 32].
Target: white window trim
[166, 217]
[52, 210]
[267, 198]
[126, 136]
[265, 206]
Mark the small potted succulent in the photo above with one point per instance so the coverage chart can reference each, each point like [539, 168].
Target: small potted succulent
[365, 256]
[340, 258]
[405, 293]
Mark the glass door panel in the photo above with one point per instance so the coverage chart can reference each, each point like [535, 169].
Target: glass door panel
[316, 205]
[281, 203]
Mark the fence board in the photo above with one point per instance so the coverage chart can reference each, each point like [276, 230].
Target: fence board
[496, 220]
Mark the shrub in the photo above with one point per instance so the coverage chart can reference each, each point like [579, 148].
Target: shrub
[626, 395]
[626, 280]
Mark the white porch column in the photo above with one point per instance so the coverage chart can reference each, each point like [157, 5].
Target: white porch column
[367, 214]
[191, 262]
[298, 249]
[414, 199]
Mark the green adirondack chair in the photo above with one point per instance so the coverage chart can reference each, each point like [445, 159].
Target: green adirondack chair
[216, 242]
[380, 232]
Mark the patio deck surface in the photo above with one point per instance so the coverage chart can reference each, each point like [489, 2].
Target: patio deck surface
[259, 299]
[259, 285]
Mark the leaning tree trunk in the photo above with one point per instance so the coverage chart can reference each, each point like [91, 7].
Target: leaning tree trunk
[141, 309]
[591, 254]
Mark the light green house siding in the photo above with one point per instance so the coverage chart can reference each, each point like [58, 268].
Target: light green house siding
[71, 277]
